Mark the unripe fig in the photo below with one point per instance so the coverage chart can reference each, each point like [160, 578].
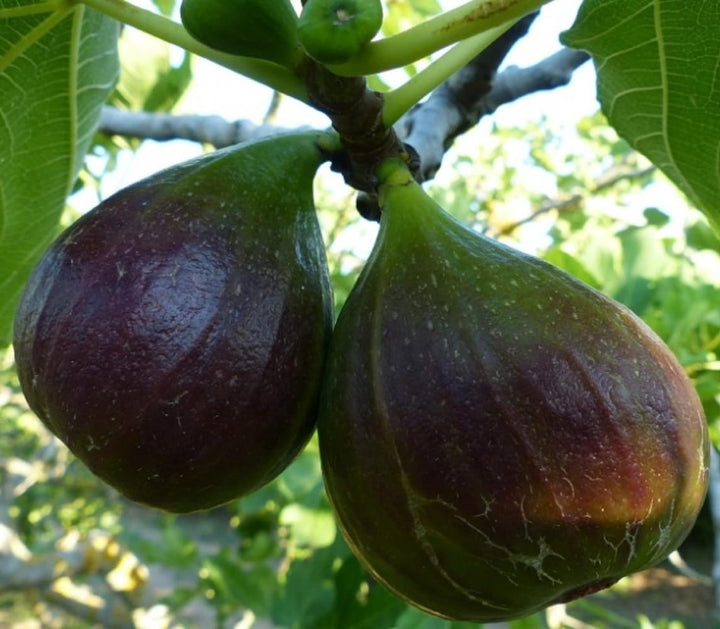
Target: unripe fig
[264, 29]
[496, 436]
[333, 31]
[174, 336]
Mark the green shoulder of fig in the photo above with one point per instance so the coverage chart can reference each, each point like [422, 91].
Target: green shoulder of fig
[497, 437]
[333, 31]
[265, 29]
[174, 337]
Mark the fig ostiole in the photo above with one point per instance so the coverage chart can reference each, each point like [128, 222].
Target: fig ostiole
[263, 29]
[174, 336]
[333, 31]
[496, 436]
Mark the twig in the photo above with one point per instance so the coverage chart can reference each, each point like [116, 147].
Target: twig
[568, 202]
[270, 116]
[430, 127]
[475, 92]
[213, 130]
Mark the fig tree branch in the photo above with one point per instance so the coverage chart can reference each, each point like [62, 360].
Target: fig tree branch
[430, 127]
[571, 201]
[213, 130]
[401, 99]
[476, 91]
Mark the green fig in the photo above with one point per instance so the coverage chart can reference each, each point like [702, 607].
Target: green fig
[174, 336]
[333, 31]
[496, 436]
[264, 29]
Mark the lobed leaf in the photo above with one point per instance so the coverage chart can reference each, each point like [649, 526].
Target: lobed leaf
[658, 67]
[57, 67]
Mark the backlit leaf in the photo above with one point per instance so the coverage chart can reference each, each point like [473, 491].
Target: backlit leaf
[56, 70]
[658, 66]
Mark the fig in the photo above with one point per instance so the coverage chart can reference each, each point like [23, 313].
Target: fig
[496, 436]
[333, 31]
[174, 336]
[264, 29]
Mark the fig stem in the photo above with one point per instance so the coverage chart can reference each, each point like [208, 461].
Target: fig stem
[400, 100]
[329, 142]
[391, 172]
[420, 41]
[271, 74]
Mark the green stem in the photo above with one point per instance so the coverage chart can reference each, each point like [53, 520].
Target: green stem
[270, 74]
[393, 171]
[401, 99]
[422, 40]
[28, 9]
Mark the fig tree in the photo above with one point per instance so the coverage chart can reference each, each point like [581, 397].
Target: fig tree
[495, 435]
[174, 336]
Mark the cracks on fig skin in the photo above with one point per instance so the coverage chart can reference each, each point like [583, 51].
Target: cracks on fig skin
[413, 501]
[632, 529]
[534, 561]
[662, 541]
[413, 504]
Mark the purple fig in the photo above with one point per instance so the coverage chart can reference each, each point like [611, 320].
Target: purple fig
[174, 336]
[496, 436]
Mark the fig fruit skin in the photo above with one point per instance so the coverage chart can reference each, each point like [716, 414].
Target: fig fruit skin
[496, 436]
[333, 31]
[173, 337]
[262, 29]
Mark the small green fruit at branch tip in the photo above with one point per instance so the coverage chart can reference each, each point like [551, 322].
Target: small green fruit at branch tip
[496, 436]
[174, 337]
[264, 29]
[333, 31]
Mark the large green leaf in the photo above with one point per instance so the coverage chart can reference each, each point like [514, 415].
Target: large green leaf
[658, 66]
[56, 70]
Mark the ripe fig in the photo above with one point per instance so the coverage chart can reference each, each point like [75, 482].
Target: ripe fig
[495, 435]
[174, 336]
[264, 29]
[333, 31]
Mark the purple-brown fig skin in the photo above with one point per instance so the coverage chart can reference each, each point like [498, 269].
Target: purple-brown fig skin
[174, 336]
[495, 435]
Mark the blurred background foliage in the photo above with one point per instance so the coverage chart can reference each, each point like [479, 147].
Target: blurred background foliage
[75, 554]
